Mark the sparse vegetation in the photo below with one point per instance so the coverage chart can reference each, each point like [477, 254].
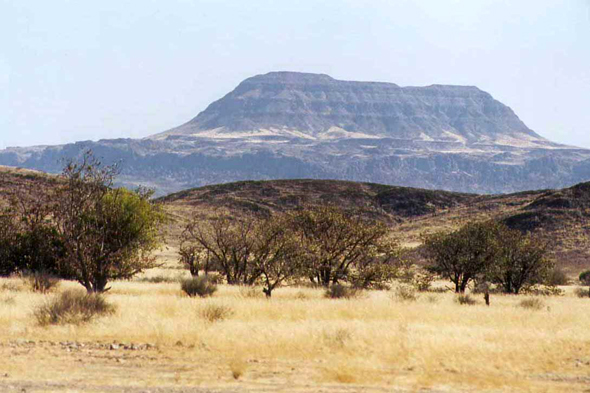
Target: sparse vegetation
[339, 291]
[491, 252]
[198, 286]
[532, 304]
[556, 277]
[72, 307]
[216, 312]
[107, 233]
[406, 293]
[465, 300]
[585, 279]
[582, 292]
[41, 281]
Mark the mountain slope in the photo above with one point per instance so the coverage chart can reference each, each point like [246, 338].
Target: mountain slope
[320, 107]
[286, 125]
[559, 216]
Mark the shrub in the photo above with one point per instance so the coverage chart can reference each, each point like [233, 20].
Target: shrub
[198, 286]
[556, 277]
[301, 296]
[72, 307]
[465, 300]
[160, 279]
[8, 300]
[406, 293]
[532, 304]
[581, 292]
[585, 277]
[237, 367]
[41, 282]
[339, 291]
[432, 299]
[544, 291]
[214, 312]
[250, 292]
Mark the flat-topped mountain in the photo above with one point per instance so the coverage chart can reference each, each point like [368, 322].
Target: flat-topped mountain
[287, 125]
[314, 106]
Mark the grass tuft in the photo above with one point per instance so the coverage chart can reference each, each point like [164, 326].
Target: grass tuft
[72, 307]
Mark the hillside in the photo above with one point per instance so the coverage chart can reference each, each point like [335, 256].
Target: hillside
[12, 179]
[559, 216]
[288, 125]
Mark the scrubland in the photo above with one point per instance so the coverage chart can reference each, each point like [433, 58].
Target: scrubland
[296, 341]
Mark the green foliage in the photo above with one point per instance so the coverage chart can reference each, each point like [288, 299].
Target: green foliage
[582, 292]
[341, 246]
[519, 260]
[198, 286]
[107, 233]
[585, 277]
[29, 242]
[72, 307]
[490, 251]
[460, 256]
[324, 244]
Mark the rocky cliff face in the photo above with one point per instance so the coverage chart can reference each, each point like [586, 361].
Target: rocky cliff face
[319, 107]
[293, 125]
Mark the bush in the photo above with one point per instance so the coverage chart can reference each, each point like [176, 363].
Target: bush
[581, 292]
[465, 300]
[339, 291]
[532, 304]
[41, 282]
[250, 292]
[72, 307]
[214, 312]
[585, 277]
[406, 293]
[198, 286]
[556, 277]
[160, 279]
[8, 300]
[544, 291]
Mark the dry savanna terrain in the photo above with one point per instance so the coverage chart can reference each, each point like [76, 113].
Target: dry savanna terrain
[159, 340]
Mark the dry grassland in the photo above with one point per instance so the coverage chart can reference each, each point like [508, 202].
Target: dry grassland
[298, 341]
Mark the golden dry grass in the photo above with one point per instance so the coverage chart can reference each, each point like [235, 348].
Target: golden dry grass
[300, 339]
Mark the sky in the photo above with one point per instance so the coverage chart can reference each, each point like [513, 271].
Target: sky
[81, 70]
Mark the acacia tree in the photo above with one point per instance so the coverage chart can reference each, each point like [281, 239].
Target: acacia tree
[463, 255]
[29, 242]
[520, 260]
[585, 279]
[335, 245]
[275, 253]
[8, 234]
[107, 233]
[227, 243]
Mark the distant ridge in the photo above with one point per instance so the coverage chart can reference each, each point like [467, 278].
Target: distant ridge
[288, 125]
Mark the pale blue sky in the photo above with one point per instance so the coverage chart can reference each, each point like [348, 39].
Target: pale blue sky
[77, 70]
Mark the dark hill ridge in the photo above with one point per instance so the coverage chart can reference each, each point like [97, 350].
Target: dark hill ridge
[410, 211]
[287, 125]
[388, 203]
[561, 216]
